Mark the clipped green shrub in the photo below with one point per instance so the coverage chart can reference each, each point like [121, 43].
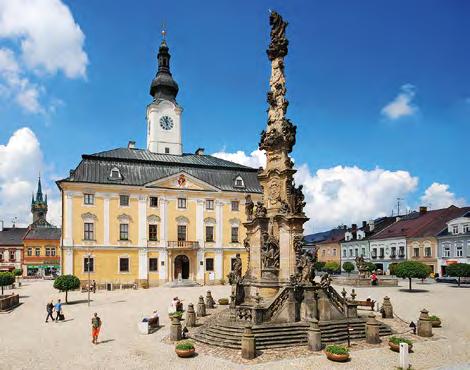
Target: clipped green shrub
[337, 349]
[223, 301]
[398, 340]
[184, 345]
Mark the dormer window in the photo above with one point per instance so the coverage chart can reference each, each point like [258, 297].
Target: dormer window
[466, 228]
[239, 183]
[455, 229]
[115, 174]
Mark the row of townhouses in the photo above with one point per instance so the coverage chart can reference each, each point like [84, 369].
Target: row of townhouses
[437, 238]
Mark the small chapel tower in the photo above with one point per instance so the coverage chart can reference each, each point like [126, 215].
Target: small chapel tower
[164, 113]
[39, 206]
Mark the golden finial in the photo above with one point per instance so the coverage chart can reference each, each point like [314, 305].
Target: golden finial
[163, 31]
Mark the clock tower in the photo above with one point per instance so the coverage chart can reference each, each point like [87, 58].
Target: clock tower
[164, 113]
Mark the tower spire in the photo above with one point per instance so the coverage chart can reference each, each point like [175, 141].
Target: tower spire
[39, 191]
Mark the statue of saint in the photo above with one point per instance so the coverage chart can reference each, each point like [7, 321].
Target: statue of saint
[249, 206]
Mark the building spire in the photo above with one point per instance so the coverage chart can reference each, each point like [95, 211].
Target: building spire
[39, 191]
[163, 85]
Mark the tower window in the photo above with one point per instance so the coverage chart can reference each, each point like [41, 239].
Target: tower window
[167, 150]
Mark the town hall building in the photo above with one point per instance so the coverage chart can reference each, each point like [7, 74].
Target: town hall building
[155, 215]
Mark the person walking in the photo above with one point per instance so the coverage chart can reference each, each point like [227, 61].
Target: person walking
[95, 328]
[49, 309]
[94, 286]
[58, 309]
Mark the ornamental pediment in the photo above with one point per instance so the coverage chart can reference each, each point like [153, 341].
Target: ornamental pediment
[89, 217]
[182, 181]
[153, 219]
[182, 220]
[123, 218]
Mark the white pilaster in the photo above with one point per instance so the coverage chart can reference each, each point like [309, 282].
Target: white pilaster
[106, 219]
[219, 262]
[68, 261]
[200, 266]
[142, 220]
[164, 220]
[200, 221]
[219, 217]
[68, 234]
[143, 264]
[163, 269]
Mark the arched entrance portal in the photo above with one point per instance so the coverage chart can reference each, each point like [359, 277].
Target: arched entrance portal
[182, 267]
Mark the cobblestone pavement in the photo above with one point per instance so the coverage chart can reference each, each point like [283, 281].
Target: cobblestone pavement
[27, 342]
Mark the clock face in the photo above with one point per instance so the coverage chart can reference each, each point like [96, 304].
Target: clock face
[166, 123]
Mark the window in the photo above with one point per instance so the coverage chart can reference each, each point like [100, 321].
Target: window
[181, 233]
[88, 264]
[234, 234]
[48, 252]
[123, 231]
[416, 252]
[12, 255]
[363, 253]
[182, 203]
[356, 252]
[209, 204]
[209, 264]
[455, 229]
[88, 231]
[374, 253]
[235, 205]
[154, 202]
[124, 200]
[209, 234]
[427, 252]
[401, 252]
[382, 253]
[323, 252]
[466, 228]
[394, 252]
[123, 264]
[350, 253]
[89, 199]
[459, 252]
[115, 174]
[167, 150]
[37, 252]
[153, 264]
[153, 233]
[446, 251]
[334, 251]
[29, 252]
[239, 182]
[345, 253]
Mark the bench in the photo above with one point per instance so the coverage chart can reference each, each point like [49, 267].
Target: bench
[149, 326]
[369, 303]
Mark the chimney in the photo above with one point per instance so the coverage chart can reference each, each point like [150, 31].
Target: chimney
[371, 225]
[422, 210]
[131, 144]
[364, 223]
[200, 151]
[354, 227]
[1, 225]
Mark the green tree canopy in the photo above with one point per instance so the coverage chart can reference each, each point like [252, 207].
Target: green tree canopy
[458, 270]
[348, 267]
[319, 266]
[332, 266]
[65, 283]
[6, 278]
[371, 266]
[412, 270]
[18, 272]
[392, 267]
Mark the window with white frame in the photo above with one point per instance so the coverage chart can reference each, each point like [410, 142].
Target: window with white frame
[363, 253]
[350, 253]
[345, 253]
[48, 252]
[88, 264]
[37, 252]
[153, 232]
[89, 199]
[334, 251]
[153, 202]
[209, 233]
[182, 203]
[415, 252]
[446, 251]
[459, 252]
[356, 252]
[239, 182]
[12, 255]
[123, 231]
[124, 200]
[29, 252]
[466, 228]
[210, 204]
[181, 233]
[88, 231]
[123, 264]
[234, 234]
[455, 229]
[115, 174]
[427, 252]
[235, 205]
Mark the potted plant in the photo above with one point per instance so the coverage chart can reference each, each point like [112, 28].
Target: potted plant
[223, 301]
[435, 320]
[337, 353]
[394, 343]
[184, 348]
[176, 315]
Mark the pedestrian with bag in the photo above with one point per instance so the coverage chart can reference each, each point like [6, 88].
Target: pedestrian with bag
[95, 328]
[58, 310]
[49, 309]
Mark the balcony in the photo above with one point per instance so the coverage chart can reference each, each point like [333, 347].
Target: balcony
[182, 244]
[393, 255]
[401, 255]
[382, 256]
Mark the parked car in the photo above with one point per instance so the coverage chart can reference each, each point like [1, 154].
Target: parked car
[452, 280]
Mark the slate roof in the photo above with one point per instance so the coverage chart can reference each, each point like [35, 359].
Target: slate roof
[43, 233]
[317, 237]
[379, 224]
[139, 167]
[445, 231]
[12, 236]
[334, 236]
[428, 224]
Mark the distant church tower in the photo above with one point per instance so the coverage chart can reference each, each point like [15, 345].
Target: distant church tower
[164, 113]
[39, 206]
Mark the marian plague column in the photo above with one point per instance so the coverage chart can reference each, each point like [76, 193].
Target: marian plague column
[275, 224]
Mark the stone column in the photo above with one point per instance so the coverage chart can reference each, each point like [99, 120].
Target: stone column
[143, 265]
[248, 344]
[219, 264]
[175, 329]
[190, 316]
[424, 324]
[106, 198]
[314, 336]
[372, 330]
[209, 300]
[68, 261]
[68, 232]
[292, 307]
[201, 307]
[387, 308]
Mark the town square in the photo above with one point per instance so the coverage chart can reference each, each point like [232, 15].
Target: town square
[155, 242]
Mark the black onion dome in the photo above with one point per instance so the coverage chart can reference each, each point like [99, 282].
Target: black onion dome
[163, 85]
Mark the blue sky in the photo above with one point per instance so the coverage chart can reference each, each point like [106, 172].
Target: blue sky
[347, 62]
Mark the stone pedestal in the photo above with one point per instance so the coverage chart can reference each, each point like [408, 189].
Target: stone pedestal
[309, 305]
[324, 308]
[190, 316]
[387, 308]
[248, 344]
[201, 307]
[292, 307]
[314, 336]
[209, 300]
[372, 330]
[351, 310]
[175, 329]
[424, 328]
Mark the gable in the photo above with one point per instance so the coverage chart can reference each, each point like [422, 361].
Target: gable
[182, 180]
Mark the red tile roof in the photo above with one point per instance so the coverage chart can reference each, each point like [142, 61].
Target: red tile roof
[428, 224]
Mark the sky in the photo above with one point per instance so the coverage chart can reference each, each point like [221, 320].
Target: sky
[380, 92]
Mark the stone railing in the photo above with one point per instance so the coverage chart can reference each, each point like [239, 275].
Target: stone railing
[336, 298]
[258, 314]
[183, 244]
[276, 304]
[9, 302]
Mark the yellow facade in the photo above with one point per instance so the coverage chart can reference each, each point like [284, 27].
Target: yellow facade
[152, 262]
[423, 250]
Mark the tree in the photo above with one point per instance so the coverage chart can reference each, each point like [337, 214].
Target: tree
[18, 272]
[348, 267]
[392, 267]
[65, 283]
[319, 266]
[6, 278]
[371, 266]
[412, 269]
[331, 266]
[458, 270]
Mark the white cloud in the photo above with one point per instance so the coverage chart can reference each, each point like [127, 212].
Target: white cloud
[438, 196]
[402, 105]
[21, 159]
[342, 195]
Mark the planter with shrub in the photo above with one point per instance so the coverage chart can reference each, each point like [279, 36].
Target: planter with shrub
[185, 349]
[394, 343]
[223, 301]
[435, 320]
[337, 353]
